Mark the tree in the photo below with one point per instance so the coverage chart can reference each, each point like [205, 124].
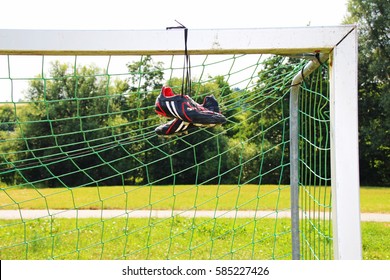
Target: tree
[7, 130]
[143, 86]
[146, 75]
[266, 114]
[7, 119]
[373, 19]
[67, 129]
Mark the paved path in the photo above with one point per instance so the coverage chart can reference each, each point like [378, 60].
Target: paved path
[35, 214]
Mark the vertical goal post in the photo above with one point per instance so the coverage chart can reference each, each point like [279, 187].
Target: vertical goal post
[338, 43]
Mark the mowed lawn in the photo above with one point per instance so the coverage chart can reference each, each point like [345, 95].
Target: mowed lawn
[207, 197]
[174, 238]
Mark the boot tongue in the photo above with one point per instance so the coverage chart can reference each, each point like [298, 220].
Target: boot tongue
[211, 103]
[167, 92]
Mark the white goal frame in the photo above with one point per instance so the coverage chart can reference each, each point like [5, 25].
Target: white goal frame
[338, 42]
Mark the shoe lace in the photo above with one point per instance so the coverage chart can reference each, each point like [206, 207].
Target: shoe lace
[186, 81]
[195, 104]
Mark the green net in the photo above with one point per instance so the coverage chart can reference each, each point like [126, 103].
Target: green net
[85, 176]
[314, 157]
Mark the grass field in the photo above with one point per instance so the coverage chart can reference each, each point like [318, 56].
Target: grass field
[178, 238]
[372, 199]
[165, 238]
[173, 238]
[159, 197]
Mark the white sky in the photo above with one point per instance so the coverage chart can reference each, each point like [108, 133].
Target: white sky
[156, 14]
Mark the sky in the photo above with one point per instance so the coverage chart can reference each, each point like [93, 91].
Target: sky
[156, 15]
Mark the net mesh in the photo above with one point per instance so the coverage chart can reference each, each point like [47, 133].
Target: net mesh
[84, 175]
[314, 158]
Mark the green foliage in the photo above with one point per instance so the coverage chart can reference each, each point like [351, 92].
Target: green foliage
[373, 18]
[80, 106]
[146, 75]
[8, 132]
[80, 128]
[7, 119]
[267, 117]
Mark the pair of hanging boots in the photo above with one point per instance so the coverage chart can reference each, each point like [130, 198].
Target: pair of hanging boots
[186, 113]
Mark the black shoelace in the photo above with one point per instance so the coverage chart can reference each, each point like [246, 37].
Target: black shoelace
[186, 82]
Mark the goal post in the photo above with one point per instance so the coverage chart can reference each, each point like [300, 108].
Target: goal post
[337, 45]
[159, 42]
[344, 148]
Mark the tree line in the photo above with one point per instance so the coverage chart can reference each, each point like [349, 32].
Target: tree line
[81, 128]
[373, 20]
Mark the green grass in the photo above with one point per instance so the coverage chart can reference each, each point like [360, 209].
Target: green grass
[248, 197]
[375, 199]
[376, 241]
[173, 237]
[208, 197]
